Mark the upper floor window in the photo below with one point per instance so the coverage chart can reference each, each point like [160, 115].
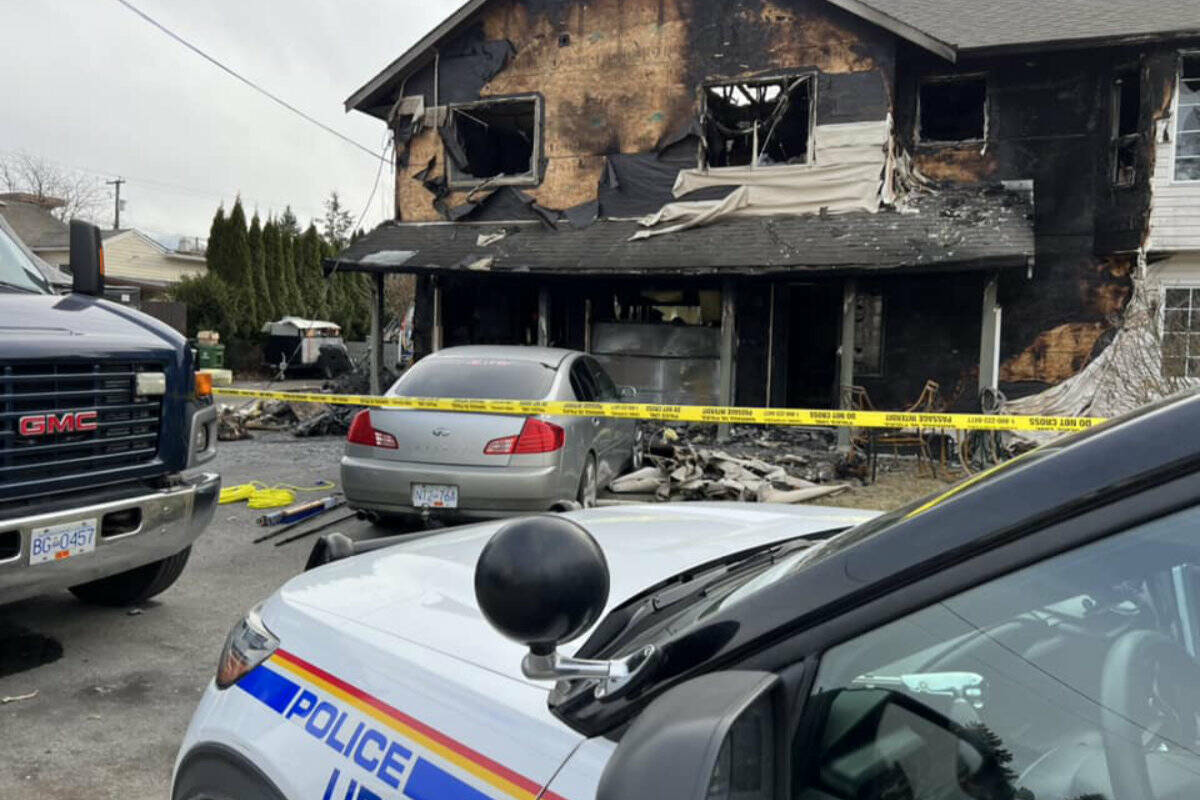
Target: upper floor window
[1126, 109]
[758, 123]
[1187, 129]
[495, 140]
[952, 109]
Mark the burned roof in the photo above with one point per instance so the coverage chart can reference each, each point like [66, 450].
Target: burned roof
[978, 227]
[1020, 24]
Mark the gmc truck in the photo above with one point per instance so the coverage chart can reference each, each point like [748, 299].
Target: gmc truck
[102, 424]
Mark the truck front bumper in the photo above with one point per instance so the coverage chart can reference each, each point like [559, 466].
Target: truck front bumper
[131, 532]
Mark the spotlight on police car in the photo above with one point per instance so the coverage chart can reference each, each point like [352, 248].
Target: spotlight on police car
[543, 581]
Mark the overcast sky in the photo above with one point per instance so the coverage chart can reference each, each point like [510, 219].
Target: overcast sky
[88, 84]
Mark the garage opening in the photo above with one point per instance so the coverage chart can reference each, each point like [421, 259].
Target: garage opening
[953, 109]
[494, 141]
[758, 123]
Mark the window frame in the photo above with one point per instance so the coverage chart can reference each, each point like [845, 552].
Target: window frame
[955, 78]
[1165, 285]
[1176, 120]
[810, 157]
[532, 178]
[1117, 140]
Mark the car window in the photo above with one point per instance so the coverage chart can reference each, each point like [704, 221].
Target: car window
[1074, 678]
[607, 390]
[17, 270]
[475, 378]
[582, 383]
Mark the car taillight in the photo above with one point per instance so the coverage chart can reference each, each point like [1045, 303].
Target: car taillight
[536, 437]
[361, 432]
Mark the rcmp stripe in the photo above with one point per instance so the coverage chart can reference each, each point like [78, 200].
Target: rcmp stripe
[433, 782]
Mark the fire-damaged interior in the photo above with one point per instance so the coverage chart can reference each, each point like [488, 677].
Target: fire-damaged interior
[492, 141]
[759, 123]
[809, 199]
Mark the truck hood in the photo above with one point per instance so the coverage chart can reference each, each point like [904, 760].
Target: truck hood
[51, 326]
[422, 592]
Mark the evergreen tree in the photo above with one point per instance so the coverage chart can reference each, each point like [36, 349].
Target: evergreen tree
[238, 267]
[214, 253]
[338, 223]
[296, 304]
[270, 246]
[308, 269]
[288, 225]
[258, 269]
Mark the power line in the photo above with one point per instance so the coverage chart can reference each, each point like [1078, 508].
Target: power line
[247, 81]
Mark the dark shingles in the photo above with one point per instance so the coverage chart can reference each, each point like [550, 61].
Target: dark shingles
[973, 227]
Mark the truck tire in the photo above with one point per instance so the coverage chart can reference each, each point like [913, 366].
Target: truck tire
[136, 585]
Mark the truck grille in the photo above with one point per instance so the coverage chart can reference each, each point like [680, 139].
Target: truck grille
[126, 432]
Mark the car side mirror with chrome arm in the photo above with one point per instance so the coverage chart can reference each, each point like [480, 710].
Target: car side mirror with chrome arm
[543, 581]
[87, 259]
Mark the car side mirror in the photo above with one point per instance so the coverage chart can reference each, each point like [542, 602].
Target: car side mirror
[87, 259]
[711, 738]
[629, 392]
[543, 581]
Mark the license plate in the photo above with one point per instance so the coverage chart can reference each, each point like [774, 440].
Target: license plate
[58, 542]
[432, 495]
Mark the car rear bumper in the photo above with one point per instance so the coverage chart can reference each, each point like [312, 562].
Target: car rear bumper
[483, 492]
[167, 521]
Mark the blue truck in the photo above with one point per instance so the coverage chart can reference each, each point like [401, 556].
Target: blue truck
[104, 425]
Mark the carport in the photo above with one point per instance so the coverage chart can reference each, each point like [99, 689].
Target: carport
[752, 311]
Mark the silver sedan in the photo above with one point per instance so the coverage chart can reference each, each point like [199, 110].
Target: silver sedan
[401, 462]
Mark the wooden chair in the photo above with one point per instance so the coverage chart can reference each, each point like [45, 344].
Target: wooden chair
[929, 401]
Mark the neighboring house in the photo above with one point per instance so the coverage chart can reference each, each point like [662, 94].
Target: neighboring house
[135, 259]
[762, 202]
[43, 233]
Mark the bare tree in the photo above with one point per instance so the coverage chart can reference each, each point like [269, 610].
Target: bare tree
[82, 196]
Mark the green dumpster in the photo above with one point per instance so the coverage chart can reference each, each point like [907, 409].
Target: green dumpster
[210, 356]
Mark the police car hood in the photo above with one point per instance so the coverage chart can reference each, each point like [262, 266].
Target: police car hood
[422, 592]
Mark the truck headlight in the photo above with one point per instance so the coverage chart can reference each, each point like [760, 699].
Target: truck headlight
[248, 645]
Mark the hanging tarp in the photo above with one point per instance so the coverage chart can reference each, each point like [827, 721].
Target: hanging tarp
[849, 173]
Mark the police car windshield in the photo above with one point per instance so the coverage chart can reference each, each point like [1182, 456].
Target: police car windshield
[17, 270]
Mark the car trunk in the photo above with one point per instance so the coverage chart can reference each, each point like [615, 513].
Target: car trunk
[443, 437]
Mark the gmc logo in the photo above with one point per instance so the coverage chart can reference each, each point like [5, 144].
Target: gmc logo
[48, 424]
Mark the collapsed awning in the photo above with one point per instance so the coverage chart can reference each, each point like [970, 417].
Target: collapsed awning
[957, 229]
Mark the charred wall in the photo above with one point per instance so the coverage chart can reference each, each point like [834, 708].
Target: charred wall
[623, 76]
[1048, 121]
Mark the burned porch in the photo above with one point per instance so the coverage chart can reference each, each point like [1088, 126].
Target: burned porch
[750, 310]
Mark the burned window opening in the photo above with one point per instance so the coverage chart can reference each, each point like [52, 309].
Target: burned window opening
[690, 307]
[1126, 108]
[1187, 131]
[758, 123]
[492, 141]
[953, 110]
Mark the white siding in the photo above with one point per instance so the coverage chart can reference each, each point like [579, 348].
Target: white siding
[1174, 206]
[135, 258]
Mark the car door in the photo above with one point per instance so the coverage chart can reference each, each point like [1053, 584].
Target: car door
[616, 434]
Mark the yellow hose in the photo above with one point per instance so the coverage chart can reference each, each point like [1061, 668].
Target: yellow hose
[259, 495]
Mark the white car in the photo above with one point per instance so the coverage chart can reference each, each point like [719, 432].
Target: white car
[1031, 633]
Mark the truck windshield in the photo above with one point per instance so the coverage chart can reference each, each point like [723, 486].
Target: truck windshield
[17, 270]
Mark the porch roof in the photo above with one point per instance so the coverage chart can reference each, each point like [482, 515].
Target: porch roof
[958, 229]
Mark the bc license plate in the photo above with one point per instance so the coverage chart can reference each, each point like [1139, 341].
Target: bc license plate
[56, 542]
[433, 495]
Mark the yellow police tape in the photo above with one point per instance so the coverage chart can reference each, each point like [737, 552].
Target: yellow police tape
[673, 413]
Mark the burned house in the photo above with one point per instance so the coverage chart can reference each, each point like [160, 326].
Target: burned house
[761, 202]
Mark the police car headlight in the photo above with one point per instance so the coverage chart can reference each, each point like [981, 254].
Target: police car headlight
[248, 645]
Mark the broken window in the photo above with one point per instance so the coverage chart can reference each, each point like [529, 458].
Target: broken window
[758, 123]
[1181, 333]
[496, 141]
[953, 109]
[1126, 108]
[1187, 129]
[868, 333]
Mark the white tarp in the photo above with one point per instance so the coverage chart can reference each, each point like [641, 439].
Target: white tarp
[849, 173]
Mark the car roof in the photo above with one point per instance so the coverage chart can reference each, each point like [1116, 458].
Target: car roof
[550, 356]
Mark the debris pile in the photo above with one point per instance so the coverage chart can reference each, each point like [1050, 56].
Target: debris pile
[764, 465]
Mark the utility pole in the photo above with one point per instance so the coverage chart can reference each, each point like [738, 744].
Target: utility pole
[117, 208]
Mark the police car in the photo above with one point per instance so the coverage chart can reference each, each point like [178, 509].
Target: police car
[1032, 633]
